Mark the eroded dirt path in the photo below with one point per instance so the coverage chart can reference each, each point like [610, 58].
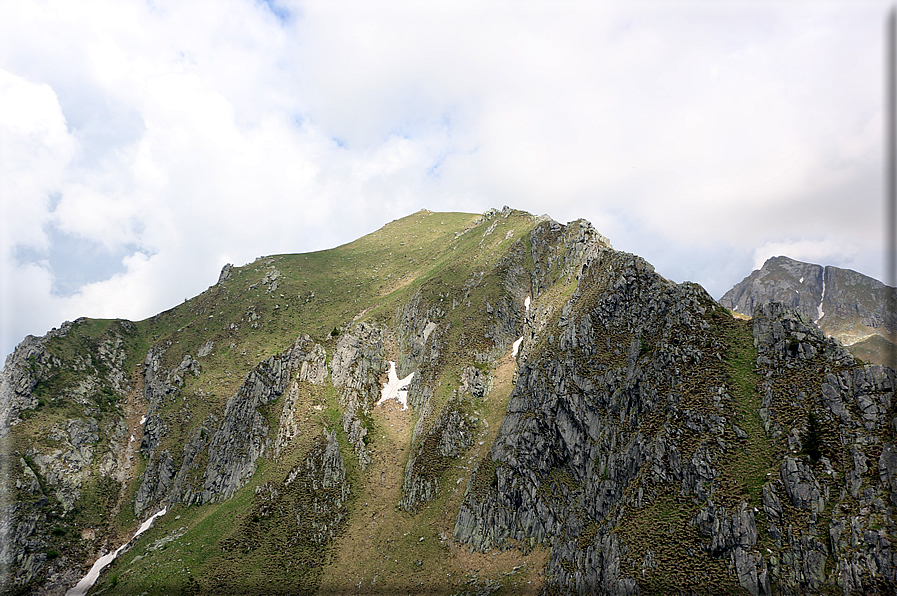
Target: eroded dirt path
[385, 550]
[360, 551]
[134, 410]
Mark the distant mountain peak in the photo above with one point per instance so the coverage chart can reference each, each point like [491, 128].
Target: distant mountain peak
[845, 304]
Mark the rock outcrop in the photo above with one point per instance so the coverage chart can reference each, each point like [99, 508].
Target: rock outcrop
[232, 446]
[626, 411]
[843, 489]
[77, 450]
[294, 519]
[243, 436]
[451, 433]
[358, 363]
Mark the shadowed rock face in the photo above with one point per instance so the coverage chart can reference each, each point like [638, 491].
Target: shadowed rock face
[629, 411]
[849, 306]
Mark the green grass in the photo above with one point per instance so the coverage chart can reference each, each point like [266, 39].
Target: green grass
[755, 457]
[370, 279]
[664, 528]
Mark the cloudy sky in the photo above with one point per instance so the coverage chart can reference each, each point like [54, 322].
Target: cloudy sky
[146, 143]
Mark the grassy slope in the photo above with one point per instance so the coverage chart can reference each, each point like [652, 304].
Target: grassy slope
[369, 279]
[875, 350]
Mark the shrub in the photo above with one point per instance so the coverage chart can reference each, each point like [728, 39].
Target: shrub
[812, 438]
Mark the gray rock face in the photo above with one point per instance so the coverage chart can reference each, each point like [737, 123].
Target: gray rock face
[183, 487]
[22, 547]
[784, 336]
[419, 338]
[734, 537]
[845, 304]
[76, 449]
[157, 385]
[727, 532]
[801, 486]
[887, 470]
[312, 370]
[573, 443]
[234, 444]
[225, 274]
[358, 362]
[323, 477]
[157, 481]
[475, 381]
[504, 328]
[68, 467]
[23, 370]
[796, 285]
[243, 436]
[157, 477]
[561, 250]
[852, 406]
[450, 435]
[600, 420]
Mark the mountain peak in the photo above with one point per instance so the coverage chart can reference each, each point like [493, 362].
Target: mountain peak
[847, 305]
[453, 403]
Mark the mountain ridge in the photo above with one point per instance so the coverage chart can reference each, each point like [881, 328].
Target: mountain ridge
[576, 423]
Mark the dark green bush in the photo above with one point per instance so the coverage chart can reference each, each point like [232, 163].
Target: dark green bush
[812, 438]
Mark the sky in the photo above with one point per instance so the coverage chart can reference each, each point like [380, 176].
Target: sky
[146, 143]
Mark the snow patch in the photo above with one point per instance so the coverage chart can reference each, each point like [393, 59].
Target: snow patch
[801, 281]
[395, 388]
[142, 420]
[819, 311]
[849, 341]
[515, 347]
[93, 575]
[132, 439]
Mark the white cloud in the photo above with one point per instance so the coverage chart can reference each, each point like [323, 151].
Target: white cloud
[839, 253]
[185, 135]
[35, 150]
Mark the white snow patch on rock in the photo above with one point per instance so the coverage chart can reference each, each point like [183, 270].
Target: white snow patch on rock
[515, 347]
[395, 388]
[90, 579]
[430, 328]
[819, 312]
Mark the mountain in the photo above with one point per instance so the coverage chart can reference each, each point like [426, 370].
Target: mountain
[575, 423]
[858, 311]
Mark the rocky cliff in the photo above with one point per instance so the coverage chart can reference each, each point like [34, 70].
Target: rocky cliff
[857, 310]
[575, 423]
